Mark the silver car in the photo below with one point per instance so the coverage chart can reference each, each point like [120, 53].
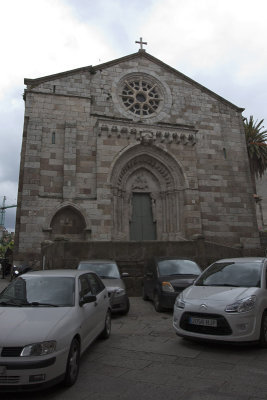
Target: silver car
[109, 273]
[48, 319]
[227, 303]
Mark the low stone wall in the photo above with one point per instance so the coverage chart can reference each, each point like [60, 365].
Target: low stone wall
[132, 256]
[263, 239]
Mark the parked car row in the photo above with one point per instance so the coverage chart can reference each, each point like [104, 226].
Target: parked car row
[227, 302]
[49, 318]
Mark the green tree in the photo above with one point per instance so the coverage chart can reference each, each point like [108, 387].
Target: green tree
[256, 139]
[7, 242]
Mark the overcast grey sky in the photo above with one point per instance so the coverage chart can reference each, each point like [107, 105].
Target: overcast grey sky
[220, 44]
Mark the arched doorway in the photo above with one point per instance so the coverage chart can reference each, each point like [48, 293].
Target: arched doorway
[148, 195]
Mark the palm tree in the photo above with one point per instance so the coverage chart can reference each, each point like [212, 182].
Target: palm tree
[256, 146]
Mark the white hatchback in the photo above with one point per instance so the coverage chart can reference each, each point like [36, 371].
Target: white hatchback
[48, 319]
[227, 302]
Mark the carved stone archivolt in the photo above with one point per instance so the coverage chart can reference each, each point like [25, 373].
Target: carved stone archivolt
[149, 170]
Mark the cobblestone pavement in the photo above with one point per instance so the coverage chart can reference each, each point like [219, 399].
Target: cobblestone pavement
[144, 359]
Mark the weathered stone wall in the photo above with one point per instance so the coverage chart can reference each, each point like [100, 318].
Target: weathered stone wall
[78, 130]
[261, 185]
[132, 256]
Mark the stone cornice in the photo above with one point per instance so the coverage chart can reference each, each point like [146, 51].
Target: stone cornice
[147, 134]
[55, 94]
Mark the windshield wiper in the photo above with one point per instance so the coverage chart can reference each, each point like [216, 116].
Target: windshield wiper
[37, 304]
[183, 274]
[9, 303]
[230, 285]
[217, 284]
[25, 304]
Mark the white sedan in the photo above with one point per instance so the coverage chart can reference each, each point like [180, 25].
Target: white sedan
[228, 302]
[48, 319]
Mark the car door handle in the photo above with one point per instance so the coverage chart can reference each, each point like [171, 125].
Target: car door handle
[96, 303]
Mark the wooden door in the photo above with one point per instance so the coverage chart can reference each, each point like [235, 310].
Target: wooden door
[142, 226]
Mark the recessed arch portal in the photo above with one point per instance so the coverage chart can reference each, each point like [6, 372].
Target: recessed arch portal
[68, 222]
[150, 171]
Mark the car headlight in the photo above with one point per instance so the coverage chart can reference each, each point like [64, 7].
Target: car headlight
[39, 349]
[179, 302]
[243, 305]
[167, 287]
[119, 292]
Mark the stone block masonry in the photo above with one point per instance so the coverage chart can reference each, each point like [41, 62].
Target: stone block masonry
[99, 141]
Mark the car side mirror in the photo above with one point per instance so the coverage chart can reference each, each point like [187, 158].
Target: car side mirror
[87, 299]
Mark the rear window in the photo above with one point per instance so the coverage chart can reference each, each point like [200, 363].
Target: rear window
[104, 270]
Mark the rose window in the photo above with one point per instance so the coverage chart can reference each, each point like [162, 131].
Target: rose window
[140, 97]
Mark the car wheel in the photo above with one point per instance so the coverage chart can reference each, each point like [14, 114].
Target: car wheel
[144, 296]
[105, 334]
[156, 301]
[263, 334]
[73, 363]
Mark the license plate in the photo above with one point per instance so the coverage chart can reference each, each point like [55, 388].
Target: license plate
[2, 370]
[203, 321]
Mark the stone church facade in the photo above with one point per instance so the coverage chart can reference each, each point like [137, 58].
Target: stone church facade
[131, 150]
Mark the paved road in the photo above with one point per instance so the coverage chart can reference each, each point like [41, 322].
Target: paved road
[144, 359]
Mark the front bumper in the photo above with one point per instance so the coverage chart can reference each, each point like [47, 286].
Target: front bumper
[235, 327]
[119, 304]
[33, 373]
[167, 299]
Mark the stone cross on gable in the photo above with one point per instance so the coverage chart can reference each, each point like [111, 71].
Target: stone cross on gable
[141, 43]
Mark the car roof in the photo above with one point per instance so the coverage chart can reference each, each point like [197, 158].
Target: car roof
[241, 259]
[173, 258]
[69, 273]
[97, 261]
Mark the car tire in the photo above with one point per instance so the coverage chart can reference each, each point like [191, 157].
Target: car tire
[157, 304]
[105, 334]
[263, 333]
[73, 363]
[144, 296]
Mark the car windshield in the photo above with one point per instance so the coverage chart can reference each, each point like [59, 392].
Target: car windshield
[178, 267]
[39, 291]
[104, 270]
[235, 274]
